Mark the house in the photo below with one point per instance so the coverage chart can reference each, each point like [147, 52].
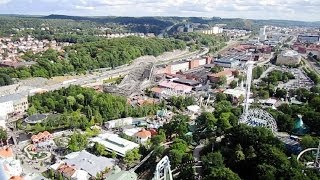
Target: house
[142, 136]
[41, 137]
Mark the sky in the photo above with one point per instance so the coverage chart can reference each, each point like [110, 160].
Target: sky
[305, 10]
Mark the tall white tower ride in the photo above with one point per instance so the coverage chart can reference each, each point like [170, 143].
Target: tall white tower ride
[255, 117]
[248, 86]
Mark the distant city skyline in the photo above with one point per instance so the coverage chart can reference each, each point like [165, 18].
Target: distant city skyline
[302, 10]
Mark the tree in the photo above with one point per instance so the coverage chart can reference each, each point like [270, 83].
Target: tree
[239, 155]
[177, 151]
[281, 93]
[233, 84]
[99, 149]
[131, 157]
[220, 97]
[266, 171]
[3, 134]
[263, 94]
[31, 110]
[77, 142]
[222, 173]
[159, 138]
[223, 121]
[71, 101]
[187, 173]
[309, 142]
[222, 80]
[216, 69]
[213, 160]
[207, 120]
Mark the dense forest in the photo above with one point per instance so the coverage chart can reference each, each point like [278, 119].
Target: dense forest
[196, 40]
[82, 107]
[5, 80]
[60, 24]
[83, 57]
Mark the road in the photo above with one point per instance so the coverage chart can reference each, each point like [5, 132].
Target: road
[311, 65]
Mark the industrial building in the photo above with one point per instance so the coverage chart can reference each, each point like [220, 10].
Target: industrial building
[226, 62]
[288, 57]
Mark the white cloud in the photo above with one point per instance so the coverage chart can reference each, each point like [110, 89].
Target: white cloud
[4, 1]
[262, 9]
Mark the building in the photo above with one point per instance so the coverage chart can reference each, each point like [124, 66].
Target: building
[226, 62]
[158, 92]
[13, 104]
[9, 166]
[214, 78]
[142, 136]
[213, 30]
[41, 137]
[288, 57]
[117, 174]
[82, 165]
[180, 88]
[262, 34]
[173, 68]
[118, 123]
[197, 62]
[114, 143]
[308, 38]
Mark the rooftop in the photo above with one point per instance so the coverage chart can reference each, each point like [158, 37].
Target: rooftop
[289, 53]
[113, 142]
[176, 86]
[123, 175]
[6, 152]
[11, 97]
[143, 134]
[226, 72]
[88, 162]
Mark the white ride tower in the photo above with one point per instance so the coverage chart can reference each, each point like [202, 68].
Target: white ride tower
[255, 117]
[163, 170]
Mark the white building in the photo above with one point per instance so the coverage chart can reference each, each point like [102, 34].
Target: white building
[262, 34]
[114, 143]
[118, 123]
[142, 136]
[289, 57]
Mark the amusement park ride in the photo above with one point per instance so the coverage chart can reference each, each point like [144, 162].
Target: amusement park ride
[255, 117]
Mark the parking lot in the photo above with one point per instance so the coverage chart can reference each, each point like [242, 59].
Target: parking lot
[301, 79]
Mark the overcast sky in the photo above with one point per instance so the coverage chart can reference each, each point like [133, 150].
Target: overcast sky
[307, 10]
